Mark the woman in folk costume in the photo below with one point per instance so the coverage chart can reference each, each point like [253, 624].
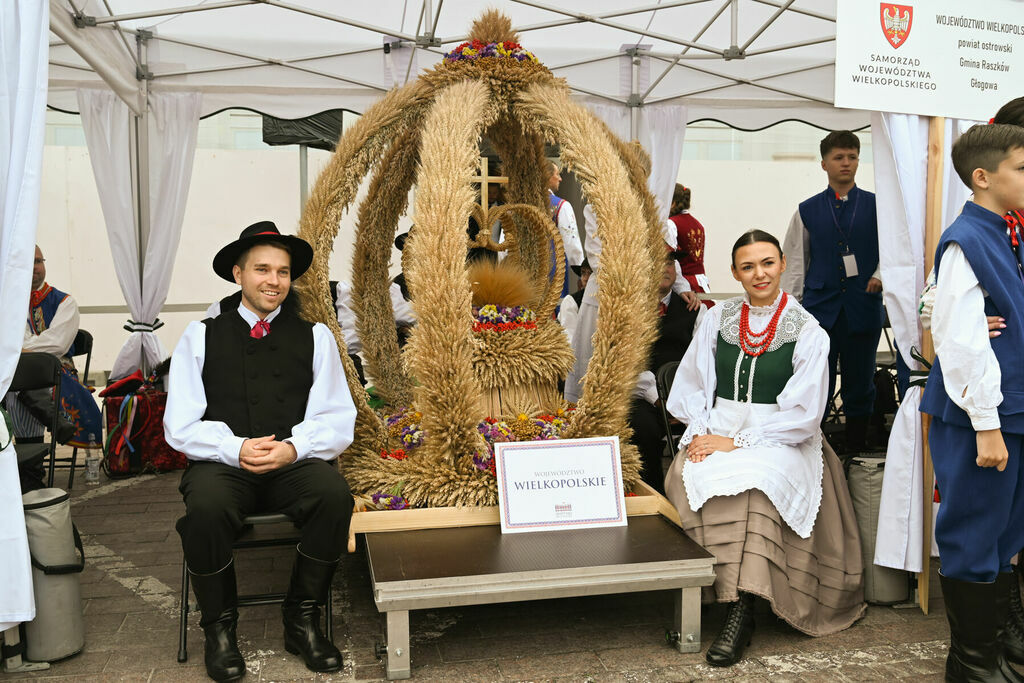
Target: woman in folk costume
[755, 483]
[689, 240]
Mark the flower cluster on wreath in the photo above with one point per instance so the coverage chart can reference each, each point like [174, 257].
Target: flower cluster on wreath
[477, 49]
[404, 426]
[503, 318]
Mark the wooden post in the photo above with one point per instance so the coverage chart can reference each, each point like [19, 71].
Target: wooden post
[932, 230]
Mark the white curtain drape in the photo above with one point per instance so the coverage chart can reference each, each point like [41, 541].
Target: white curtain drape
[661, 129]
[174, 120]
[901, 175]
[24, 33]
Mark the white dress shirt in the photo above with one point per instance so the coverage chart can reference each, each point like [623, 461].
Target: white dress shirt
[566, 221]
[568, 315]
[57, 338]
[970, 370]
[326, 428]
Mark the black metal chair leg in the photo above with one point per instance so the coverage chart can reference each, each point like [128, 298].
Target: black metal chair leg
[71, 473]
[183, 618]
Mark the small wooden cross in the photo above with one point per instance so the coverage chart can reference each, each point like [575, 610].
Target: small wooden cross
[486, 179]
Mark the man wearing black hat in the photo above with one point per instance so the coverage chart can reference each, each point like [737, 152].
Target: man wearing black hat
[257, 400]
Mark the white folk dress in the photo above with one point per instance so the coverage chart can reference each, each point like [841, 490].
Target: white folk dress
[775, 511]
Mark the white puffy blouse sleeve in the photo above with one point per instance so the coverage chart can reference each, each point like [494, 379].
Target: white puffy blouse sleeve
[693, 389]
[802, 401]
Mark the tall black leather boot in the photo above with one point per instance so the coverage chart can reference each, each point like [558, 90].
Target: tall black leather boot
[1013, 630]
[311, 579]
[218, 601]
[735, 634]
[857, 433]
[40, 405]
[976, 612]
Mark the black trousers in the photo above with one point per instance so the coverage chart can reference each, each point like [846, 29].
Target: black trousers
[217, 496]
[854, 352]
[649, 438]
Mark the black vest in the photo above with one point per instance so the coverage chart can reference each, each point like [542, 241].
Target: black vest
[258, 387]
[675, 330]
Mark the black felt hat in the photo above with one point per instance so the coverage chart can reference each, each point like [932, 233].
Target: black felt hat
[579, 269]
[258, 233]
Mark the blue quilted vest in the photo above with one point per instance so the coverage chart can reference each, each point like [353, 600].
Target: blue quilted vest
[48, 308]
[982, 236]
[836, 226]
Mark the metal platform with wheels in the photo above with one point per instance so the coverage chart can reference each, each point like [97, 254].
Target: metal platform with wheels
[479, 565]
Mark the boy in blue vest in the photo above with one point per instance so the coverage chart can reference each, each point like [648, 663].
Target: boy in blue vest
[832, 247]
[975, 395]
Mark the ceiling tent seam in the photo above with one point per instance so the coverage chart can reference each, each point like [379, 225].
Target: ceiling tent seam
[576, 20]
[124, 41]
[340, 20]
[798, 10]
[171, 11]
[703, 30]
[262, 61]
[792, 46]
[753, 82]
[757, 34]
[622, 27]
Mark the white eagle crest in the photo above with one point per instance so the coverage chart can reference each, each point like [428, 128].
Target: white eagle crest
[893, 22]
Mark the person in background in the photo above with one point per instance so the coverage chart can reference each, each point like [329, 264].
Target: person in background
[676, 325]
[690, 238]
[755, 483]
[51, 328]
[832, 243]
[569, 309]
[973, 394]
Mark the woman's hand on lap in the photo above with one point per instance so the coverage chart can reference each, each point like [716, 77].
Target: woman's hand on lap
[703, 446]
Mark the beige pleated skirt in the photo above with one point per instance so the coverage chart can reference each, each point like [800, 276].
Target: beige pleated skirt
[814, 584]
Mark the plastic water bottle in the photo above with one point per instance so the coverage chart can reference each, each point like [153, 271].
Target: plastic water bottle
[92, 461]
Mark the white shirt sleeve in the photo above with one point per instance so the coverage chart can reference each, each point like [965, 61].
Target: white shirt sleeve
[570, 234]
[404, 315]
[681, 284]
[347, 318]
[802, 401]
[592, 243]
[970, 370]
[646, 387]
[693, 388]
[568, 314]
[184, 427]
[924, 308]
[58, 337]
[328, 424]
[796, 246]
[213, 311]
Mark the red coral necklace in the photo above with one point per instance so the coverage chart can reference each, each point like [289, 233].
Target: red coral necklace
[756, 344]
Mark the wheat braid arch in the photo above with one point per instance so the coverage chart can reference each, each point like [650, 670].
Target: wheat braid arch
[427, 134]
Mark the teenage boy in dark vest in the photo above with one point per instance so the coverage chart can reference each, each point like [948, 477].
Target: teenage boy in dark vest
[257, 400]
[676, 324]
[832, 246]
[975, 395]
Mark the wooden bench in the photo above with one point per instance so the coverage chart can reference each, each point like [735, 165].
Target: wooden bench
[430, 568]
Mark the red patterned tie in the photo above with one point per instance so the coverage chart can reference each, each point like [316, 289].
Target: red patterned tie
[260, 329]
[662, 308]
[1013, 224]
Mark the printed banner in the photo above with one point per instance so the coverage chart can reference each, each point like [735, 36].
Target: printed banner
[931, 57]
[559, 484]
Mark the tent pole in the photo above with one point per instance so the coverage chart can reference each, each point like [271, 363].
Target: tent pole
[142, 199]
[932, 231]
[304, 176]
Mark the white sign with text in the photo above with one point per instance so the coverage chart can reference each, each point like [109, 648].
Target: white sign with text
[934, 58]
[559, 484]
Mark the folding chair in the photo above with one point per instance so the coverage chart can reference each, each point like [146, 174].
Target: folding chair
[663, 381]
[81, 346]
[248, 540]
[38, 371]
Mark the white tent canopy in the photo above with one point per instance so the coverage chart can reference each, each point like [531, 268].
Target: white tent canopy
[748, 63]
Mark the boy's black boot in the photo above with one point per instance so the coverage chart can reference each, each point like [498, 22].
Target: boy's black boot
[311, 579]
[1013, 630]
[735, 634]
[976, 612]
[218, 602]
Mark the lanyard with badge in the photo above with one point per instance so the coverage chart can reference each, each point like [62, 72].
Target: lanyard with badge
[849, 259]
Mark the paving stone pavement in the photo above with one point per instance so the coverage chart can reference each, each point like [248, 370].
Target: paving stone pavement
[133, 576]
